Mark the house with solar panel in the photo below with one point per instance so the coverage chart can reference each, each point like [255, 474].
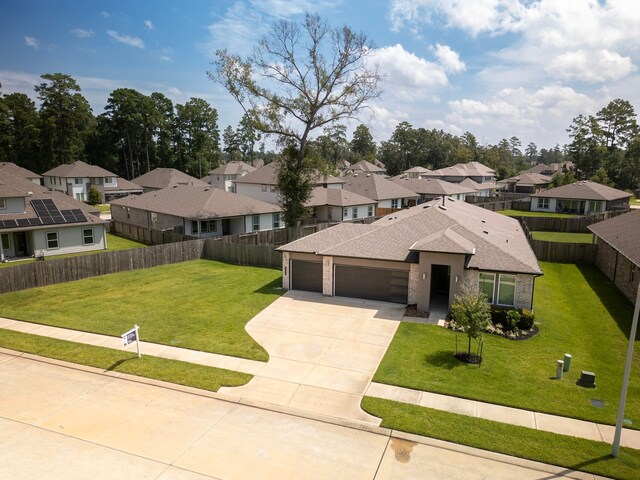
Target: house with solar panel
[35, 221]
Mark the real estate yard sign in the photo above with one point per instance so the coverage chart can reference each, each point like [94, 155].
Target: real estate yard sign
[132, 336]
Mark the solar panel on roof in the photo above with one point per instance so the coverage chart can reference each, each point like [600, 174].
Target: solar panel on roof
[23, 222]
[35, 221]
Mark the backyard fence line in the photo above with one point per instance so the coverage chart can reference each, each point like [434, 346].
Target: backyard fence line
[148, 236]
[562, 252]
[239, 254]
[566, 225]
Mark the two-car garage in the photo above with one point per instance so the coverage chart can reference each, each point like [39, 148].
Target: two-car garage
[387, 284]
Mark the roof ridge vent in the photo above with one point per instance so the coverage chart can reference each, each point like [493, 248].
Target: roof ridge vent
[442, 207]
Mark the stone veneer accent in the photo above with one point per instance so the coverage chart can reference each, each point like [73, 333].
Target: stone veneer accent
[327, 276]
[414, 282]
[285, 270]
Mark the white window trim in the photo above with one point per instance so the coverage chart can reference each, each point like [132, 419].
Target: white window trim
[57, 240]
[493, 285]
[93, 238]
[253, 223]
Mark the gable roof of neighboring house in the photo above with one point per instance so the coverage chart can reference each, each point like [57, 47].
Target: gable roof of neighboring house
[336, 197]
[470, 169]
[551, 169]
[527, 178]
[418, 170]
[492, 241]
[187, 201]
[622, 233]
[159, 178]
[365, 166]
[78, 169]
[377, 187]
[267, 175]
[472, 184]
[584, 190]
[17, 170]
[123, 185]
[18, 186]
[232, 168]
[432, 186]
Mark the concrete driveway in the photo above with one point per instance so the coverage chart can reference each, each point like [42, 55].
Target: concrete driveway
[323, 352]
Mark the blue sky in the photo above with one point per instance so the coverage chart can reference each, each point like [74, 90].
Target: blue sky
[496, 68]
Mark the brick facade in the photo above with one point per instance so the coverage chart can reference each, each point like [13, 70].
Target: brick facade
[619, 269]
[327, 276]
[414, 282]
[285, 270]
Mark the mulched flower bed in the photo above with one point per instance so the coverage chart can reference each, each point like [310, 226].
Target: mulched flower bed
[412, 311]
[471, 358]
[492, 330]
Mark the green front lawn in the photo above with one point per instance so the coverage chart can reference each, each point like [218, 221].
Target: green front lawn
[174, 371]
[537, 445]
[202, 304]
[103, 207]
[577, 310]
[526, 213]
[563, 237]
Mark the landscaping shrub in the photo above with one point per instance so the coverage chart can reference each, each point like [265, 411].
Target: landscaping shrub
[499, 316]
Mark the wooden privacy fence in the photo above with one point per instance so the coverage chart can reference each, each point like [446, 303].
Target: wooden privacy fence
[149, 236]
[237, 254]
[39, 274]
[564, 252]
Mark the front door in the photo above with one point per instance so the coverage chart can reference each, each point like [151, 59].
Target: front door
[20, 239]
[440, 284]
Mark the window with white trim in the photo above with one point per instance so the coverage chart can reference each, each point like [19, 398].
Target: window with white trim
[595, 205]
[6, 241]
[486, 285]
[394, 203]
[370, 211]
[3, 204]
[506, 290]
[354, 212]
[276, 220]
[87, 236]
[154, 219]
[255, 220]
[264, 188]
[543, 203]
[77, 181]
[345, 213]
[52, 241]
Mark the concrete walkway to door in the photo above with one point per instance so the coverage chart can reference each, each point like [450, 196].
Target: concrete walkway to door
[323, 352]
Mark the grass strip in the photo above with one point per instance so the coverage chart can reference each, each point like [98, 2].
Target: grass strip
[563, 237]
[561, 450]
[173, 371]
[527, 213]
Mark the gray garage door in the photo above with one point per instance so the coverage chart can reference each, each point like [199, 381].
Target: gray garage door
[371, 283]
[306, 276]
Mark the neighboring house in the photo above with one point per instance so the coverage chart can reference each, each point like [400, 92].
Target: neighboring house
[223, 177]
[21, 172]
[36, 221]
[580, 197]
[416, 172]
[198, 211]
[459, 172]
[618, 251]
[366, 167]
[386, 193]
[338, 204]
[549, 170]
[481, 189]
[425, 255]
[77, 178]
[526, 183]
[160, 178]
[262, 184]
[430, 188]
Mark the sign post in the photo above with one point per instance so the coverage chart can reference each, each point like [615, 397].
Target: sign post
[132, 336]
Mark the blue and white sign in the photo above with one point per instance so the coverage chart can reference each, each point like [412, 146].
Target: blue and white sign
[132, 336]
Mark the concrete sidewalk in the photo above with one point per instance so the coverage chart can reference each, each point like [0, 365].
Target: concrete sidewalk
[331, 391]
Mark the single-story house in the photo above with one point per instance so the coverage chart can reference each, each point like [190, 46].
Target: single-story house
[77, 178]
[338, 204]
[431, 188]
[197, 211]
[366, 167]
[21, 172]
[160, 178]
[525, 183]
[425, 255]
[386, 193]
[618, 251]
[481, 189]
[262, 184]
[36, 221]
[580, 197]
[223, 177]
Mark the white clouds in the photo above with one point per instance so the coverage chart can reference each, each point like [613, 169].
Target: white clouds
[239, 29]
[148, 25]
[449, 59]
[82, 33]
[32, 42]
[104, 14]
[594, 67]
[406, 74]
[288, 8]
[166, 58]
[126, 39]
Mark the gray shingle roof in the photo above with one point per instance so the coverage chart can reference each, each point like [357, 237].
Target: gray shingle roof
[167, 177]
[268, 175]
[584, 190]
[529, 178]
[622, 233]
[499, 242]
[377, 187]
[365, 166]
[470, 169]
[337, 197]
[232, 168]
[78, 169]
[197, 203]
[432, 186]
[17, 170]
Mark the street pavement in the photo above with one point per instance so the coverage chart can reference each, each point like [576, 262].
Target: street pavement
[63, 421]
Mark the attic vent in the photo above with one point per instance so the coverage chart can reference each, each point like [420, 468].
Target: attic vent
[485, 231]
[442, 207]
[483, 221]
[207, 189]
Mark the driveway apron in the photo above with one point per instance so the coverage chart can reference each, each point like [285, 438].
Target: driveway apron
[323, 352]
